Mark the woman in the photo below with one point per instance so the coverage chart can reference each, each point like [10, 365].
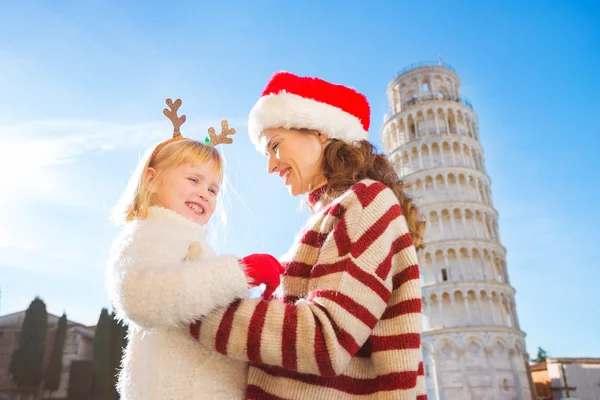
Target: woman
[345, 322]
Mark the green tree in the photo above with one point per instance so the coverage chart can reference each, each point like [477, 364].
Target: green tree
[118, 343]
[541, 355]
[55, 366]
[102, 380]
[81, 374]
[27, 360]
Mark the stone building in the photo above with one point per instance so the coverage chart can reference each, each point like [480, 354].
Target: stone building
[473, 346]
[78, 346]
[572, 378]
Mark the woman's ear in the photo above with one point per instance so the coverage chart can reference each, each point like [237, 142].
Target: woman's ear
[149, 176]
[322, 137]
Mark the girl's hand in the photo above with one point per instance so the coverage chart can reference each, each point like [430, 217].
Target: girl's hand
[263, 268]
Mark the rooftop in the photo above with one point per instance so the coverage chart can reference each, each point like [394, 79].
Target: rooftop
[542, 366]
[573, 360]
[15, 319]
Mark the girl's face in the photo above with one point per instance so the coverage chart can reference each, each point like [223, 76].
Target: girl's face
[296, 156]
[190, 191]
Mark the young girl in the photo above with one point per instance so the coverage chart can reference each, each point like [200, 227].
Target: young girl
[162, 274]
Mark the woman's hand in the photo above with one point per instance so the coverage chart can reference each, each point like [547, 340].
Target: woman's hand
[263, 268]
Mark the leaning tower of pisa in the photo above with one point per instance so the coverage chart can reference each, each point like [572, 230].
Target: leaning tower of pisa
[473, 346]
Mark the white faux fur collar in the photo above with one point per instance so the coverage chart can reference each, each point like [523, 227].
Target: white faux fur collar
[167, 216]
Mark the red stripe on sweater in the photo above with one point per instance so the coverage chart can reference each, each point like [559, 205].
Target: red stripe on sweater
[375, 230]
[255, 393]
[255, 328]
[422, 397]
[337, 210]
[298, 269]
[360, 191]
[321, 352]
[341, 237]
[291, 299]
[383, 343]
[225, 327]
[344, 338]
[366, 194]
[288, 337]
[395, 342]
[357, 386]
[347, 303]
[404, 307]
[365, 351]
[407, 274]
[360, 275]
[421, 370]
[314, 239]
[347, 341]
[398, 245]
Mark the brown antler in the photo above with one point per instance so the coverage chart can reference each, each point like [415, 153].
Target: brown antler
[172, 115]
[222, 137]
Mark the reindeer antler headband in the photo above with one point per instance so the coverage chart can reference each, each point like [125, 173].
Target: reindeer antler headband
[213, 138]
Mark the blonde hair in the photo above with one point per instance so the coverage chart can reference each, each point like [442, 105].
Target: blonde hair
[137, 197]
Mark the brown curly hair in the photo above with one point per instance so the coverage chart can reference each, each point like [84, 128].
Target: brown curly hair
[346, 164]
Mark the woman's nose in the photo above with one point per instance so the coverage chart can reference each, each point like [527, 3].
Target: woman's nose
[272, 165]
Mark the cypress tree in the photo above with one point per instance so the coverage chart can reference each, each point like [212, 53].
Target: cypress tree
[80, 380]
[55, 366]
[118, 343]
[102, 381]
[27, 360]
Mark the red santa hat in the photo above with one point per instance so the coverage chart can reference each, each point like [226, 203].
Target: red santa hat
[294, 102]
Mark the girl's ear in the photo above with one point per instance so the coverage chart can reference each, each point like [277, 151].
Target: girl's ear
[149, 177]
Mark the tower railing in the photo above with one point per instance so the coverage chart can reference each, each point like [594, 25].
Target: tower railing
[426, 64]
[417, 99]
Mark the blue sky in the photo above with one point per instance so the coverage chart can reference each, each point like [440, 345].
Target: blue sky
[83, 85]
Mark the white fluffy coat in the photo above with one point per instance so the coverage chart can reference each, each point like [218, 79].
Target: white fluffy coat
[158, 293]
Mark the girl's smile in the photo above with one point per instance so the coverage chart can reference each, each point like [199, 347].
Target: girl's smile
[190, 190]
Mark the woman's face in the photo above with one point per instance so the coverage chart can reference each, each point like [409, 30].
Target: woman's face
[296, 156]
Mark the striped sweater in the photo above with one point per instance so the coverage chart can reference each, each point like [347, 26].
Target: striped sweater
[347, 319]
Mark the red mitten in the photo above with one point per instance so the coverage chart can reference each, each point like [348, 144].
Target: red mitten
[263, 268]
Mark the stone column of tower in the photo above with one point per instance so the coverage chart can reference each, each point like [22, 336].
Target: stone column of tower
[473, 346]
